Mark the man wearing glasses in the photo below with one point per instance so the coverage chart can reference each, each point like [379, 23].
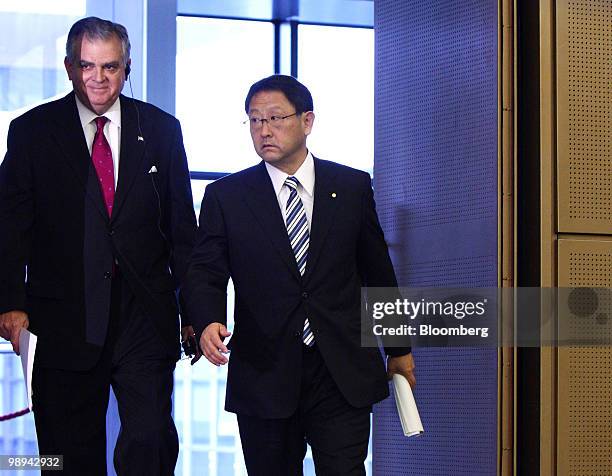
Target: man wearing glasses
[299, 237]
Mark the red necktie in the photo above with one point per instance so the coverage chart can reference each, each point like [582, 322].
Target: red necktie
[102, 158]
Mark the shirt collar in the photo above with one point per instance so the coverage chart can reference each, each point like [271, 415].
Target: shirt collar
[305, 175]
[87, 115]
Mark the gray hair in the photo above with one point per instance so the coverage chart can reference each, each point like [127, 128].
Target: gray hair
[94, 28]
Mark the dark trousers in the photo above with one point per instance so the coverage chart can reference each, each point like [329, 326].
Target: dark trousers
[70, 407]
[336, 432]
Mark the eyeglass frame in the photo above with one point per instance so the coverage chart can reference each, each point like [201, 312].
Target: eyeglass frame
[273, 121]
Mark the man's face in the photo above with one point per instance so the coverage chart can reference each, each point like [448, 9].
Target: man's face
[284, 143]
[99, 75]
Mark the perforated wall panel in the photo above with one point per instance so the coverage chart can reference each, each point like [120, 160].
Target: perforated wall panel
[584, 72]
[585, 373]
[435, 180]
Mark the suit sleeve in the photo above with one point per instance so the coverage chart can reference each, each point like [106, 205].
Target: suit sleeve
[16, 221]
[182, 224]
[375, 266]
[205, 288]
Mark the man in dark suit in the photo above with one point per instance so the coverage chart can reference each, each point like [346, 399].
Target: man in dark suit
[95, 201]
[299, 237]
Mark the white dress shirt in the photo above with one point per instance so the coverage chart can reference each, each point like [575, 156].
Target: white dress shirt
[112, 130]
[305, 175]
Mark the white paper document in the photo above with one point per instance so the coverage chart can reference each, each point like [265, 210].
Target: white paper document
[27, 347]
[406, 407]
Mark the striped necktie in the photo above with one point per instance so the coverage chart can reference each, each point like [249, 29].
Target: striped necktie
[297, 228]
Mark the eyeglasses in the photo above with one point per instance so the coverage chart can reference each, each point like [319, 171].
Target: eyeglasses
[273, 121]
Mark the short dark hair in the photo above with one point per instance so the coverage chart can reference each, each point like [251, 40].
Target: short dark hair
[295, 92]
[95, 28]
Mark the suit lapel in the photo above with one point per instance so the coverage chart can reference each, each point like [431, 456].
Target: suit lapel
[324, 210]
[131, 154]
[262, 202]
[67, 129]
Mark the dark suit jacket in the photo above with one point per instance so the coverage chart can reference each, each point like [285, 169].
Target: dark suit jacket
[54, 221]
[242, 235]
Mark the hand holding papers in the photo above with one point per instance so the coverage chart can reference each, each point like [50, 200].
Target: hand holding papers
[406, 407]
[27, 347]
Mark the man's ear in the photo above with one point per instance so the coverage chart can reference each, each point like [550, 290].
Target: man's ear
[308, 121]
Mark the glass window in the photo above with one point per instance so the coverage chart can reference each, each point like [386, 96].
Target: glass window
[33, 38]
[216, 62]
[337, 65]
[226, 464]
[201, 462]
[17, 436]
[197, 191]
[241, 52]
[208, 435]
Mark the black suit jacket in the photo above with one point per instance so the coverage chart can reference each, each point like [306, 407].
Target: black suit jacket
[242, 235]
[54, 222]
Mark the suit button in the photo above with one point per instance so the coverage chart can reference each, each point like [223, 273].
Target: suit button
[298, 334]
[305, 295]
[111, 232]
[108, 275]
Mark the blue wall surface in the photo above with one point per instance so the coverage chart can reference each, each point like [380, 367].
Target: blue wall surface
[435, 181]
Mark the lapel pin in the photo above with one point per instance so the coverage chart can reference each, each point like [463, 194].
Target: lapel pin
[333, 194]
[140, 138]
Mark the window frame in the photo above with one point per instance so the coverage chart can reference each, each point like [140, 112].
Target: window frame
[279, 23]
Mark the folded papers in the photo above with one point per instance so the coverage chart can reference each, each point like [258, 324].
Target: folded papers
[406, 407]
[27, 347]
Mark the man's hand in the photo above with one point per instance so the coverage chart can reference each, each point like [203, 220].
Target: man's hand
[11, 324]
[403, 365]
[211, 342]
[186, 333]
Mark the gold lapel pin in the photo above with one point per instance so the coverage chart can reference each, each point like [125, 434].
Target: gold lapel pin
[333, 194]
